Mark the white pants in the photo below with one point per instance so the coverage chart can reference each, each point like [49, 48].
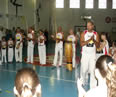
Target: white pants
[30, 51]
[88, 62]
[10, 55]
[42, 54]
[60, 51]
[74, 57]
[18, 54]
[4, 55]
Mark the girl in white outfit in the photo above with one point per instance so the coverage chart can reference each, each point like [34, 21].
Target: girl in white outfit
[10, 50]
[72, 38]
[30, 48]
[112, 51]
[42, 48]
[4, 47]
[18, 46]
[104, 46]
[105, 73]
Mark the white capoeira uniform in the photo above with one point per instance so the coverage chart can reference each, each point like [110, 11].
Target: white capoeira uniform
[58, 49]
[30, 48]
[42, 50]
[4, 51]
[72, 38]
[104, 51]
[10, 51]
[88, 59]
[18, 51]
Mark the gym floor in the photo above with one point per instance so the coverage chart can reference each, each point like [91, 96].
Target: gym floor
[56, 82]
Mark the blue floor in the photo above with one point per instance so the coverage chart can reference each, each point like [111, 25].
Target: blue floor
[56, 82]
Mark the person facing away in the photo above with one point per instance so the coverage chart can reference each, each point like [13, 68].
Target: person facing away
[105, 73]
[27, 83]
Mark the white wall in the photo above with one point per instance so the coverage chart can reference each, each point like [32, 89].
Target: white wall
[70, 17]
[65, 17]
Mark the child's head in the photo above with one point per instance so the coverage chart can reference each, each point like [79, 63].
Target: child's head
[41, 32]
[59, 29]
[3, 38]
[10, 38]
[106, 70]
[103, 36]
[27, 83]
[71, 31]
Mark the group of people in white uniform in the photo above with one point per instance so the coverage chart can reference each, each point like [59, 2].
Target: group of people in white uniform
[98, 60]
[8, 46]
[96, 57]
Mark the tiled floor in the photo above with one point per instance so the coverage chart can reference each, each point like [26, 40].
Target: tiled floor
[56, 82]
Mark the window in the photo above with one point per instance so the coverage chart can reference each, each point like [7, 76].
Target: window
[74, 3]
[113, 4]
[89, 3]
[59, 3]
[102, 4]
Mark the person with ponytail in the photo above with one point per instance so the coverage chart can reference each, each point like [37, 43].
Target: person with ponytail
[105, 73]
[112, 50]
[104, 45]
[27, 83]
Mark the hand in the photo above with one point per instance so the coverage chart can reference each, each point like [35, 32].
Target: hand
[41, 40]
[52, 36]
[92, 38]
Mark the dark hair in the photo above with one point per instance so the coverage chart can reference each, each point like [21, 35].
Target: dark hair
[26, 75]
[106, 72]
[100, 64]
[41, 30]
[107, 37]
[91, 22]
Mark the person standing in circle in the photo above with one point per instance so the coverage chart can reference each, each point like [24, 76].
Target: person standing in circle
[59, 46]
[30, 48]
[72, 38]
[42, 48]
[89, 41]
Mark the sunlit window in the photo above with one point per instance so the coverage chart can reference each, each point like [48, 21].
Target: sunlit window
[113, 4]
[89, 3]
[74, 3]
[59, 3]
[102, 4]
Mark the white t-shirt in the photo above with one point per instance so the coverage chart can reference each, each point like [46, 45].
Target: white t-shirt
[90, 48]
[3, 44]
[72, 38]
[59, 36]
[30, 43]
[39, 38]
[10, 43]
[18, 39]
